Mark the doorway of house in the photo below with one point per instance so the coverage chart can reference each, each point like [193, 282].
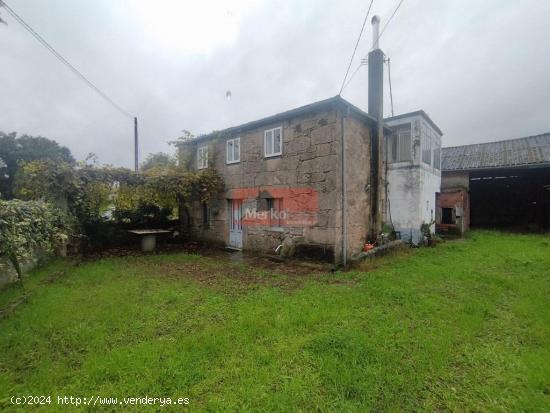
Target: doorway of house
[235, 223]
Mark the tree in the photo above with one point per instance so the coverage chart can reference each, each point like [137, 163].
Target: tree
[26, 148]
[159, 159]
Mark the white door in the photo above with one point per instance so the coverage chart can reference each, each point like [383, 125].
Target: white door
[236, 223]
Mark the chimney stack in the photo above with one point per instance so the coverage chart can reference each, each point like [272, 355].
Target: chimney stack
[376, 73]
[375, 32]
[376, 110]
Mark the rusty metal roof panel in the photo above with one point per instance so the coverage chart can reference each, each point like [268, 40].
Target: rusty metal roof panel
[532, 150]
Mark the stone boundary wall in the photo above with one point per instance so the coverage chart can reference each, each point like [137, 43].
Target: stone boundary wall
[8, 273]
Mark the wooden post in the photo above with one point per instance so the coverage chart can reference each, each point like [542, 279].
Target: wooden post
[136, 146]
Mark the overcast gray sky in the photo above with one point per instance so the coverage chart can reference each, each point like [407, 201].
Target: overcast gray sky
[480, 69]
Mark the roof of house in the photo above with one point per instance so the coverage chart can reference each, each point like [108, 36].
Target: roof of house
[420, 113]
[312, 107]
[531, 150]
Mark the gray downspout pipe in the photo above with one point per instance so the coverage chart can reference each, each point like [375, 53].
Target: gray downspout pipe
[344, 114]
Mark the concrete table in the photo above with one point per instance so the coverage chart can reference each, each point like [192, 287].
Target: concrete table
[149, 237]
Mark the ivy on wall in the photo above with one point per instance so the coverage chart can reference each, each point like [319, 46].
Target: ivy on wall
[28, 226]
[87, 193]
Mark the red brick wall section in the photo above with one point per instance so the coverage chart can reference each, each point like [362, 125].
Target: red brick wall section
[456, 199]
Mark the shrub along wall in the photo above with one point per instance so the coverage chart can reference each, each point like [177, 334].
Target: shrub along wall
[28, 230]
[106, 202]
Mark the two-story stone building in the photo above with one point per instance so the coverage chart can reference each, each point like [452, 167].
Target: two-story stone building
[301, 177]
[321, 179]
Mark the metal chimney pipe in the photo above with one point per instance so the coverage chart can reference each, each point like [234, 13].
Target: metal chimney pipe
[376, 73]
[376, 110]
[375, 32]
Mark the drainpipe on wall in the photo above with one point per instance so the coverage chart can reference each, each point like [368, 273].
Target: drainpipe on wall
[343, 115]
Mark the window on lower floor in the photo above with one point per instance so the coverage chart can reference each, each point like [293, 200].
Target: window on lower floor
[447, 216]
[275, 210]
[205, 215]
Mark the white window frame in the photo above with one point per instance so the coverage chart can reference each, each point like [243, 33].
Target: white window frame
[203, 157]
[397, 138]
[437, 152]
[272, 131]
[427, 145]
[232, 143]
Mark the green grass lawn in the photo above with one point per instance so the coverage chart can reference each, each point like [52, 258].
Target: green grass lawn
[464, 326]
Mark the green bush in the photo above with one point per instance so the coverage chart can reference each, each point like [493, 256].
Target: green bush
[26, 226]
[102, 199]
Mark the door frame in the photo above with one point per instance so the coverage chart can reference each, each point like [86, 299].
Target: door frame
[235, 215]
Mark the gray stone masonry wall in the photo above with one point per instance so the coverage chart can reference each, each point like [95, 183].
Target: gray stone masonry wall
[310, 159]
[357, 136]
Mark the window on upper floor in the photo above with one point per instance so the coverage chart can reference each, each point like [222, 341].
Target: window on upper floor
[273, 142]
[233, 150]
[202, 157]
[426, 145]
[437, 153]
[399, 144]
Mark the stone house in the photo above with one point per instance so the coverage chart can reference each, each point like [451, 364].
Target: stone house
[299, 178]
[322, 179]
[302, 180]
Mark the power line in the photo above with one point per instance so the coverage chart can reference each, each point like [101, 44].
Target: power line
[364, 62]
[355, 48]
[344, 84]
[63, 60]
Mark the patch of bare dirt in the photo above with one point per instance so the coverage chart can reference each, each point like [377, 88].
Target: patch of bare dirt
[218, 266]
[135, 251]
[249, 271]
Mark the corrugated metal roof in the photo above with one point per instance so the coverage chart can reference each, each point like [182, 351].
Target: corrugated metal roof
[532, 150]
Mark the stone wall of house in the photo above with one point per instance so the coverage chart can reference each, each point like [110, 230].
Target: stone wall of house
[310, 160]
[357, 135]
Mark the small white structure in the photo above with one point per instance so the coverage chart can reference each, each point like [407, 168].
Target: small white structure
[414, 172]
[149, 238]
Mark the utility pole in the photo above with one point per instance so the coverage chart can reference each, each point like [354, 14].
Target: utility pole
[136, 146]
